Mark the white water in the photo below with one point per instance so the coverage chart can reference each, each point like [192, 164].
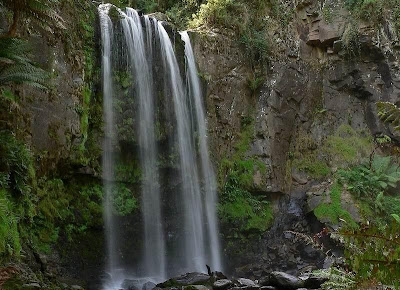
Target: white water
[198, 238]
[108, 160]
[154, 244]
[207, 172]
[194, 252]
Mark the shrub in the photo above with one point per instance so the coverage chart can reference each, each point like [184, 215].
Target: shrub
[369, 181]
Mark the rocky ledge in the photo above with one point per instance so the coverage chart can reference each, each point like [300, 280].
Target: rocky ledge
[218, 281]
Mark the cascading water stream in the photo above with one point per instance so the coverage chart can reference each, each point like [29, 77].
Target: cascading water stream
[194, 252]
[108, 158]
[154, 244]
[142, 44]
[210, 184]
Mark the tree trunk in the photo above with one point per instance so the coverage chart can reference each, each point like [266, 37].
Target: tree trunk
[13, 28]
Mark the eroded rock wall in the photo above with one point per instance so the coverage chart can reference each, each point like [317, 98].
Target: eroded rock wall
[318, 85]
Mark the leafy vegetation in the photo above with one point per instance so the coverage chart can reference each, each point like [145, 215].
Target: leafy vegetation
[43, 12]
[16, 66]
[123, 200]
[389, 113]
[10, 243]
[344, 148]
[333, 210]
[370, 181]
[237, 204]
[373, 253]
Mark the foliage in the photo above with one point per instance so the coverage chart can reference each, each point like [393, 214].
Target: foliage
[237, 205]
[310, 164]
[389, 113]
[16, 167]
[10, 243]
[123, 200]
[41, 11]
[365, 181]
[256, 44]
[374, 253]
[369, 10]
[338, 279]
[344, 148]
[247, 213]
[334, 211]
[16, 66]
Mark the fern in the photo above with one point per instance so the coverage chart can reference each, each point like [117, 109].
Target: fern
[338, 279]
[41, 11]
[389, 113]
[16, 67]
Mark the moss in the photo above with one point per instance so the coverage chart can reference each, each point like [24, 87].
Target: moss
[124, 201]
[128, 170]
[333, 211]
[247, 216]
[10, 244]
[314, 167]
[346, 147]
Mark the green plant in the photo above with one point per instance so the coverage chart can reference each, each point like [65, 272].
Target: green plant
[256, 44]
[365, 181]
[41, 11]
[237, 205]
[337, 278]
[389, 113]
[10, 243]
[374, 253]
[16, 66]
[123, 200]
[333, 211]
[16, 166]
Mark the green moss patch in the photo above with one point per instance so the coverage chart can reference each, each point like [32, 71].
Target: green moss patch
[333, 210]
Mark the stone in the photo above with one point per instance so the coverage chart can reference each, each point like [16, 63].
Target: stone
[285, 281]
[222, 284]
[195, 287]
[130, 284]
[314, 282]
[76, 287]
[187, 279]
[246, 282]
[148, 286]
[219, 275]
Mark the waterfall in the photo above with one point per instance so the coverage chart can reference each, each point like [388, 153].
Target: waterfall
[154, 244]
[207, 172]
[142, 47]
[108, 160]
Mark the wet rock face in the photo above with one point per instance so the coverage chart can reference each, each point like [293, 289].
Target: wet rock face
[303, 101]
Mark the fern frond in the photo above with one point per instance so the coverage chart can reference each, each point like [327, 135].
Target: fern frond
[389, 113]
[41, 11]
[338, 279]
[16, 66]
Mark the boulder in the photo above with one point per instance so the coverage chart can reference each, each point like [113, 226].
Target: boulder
[187, 279]
[219, 275]
[148, 286]
[314, 282]
[195, 287]
[222, 284]
[247, 284]
[130, 284]
[285, 281]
